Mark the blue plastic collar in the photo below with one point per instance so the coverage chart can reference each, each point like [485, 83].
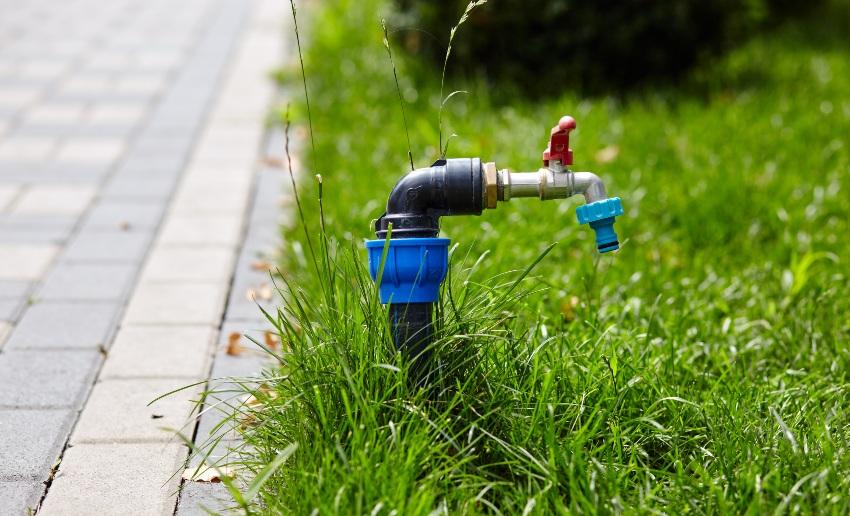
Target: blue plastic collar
[600, 215]
[414, 269]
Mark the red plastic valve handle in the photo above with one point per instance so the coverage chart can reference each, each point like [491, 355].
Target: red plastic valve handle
[559, 142]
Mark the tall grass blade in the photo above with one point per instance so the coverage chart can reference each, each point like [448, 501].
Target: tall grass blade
[266, 473]
[463, 17]
[398, 90]
[304, 80]
[286, 128]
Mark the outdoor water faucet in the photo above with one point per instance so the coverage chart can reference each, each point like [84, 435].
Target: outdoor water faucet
[555, 181]
[417, 261]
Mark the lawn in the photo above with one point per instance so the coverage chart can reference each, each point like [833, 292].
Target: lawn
[702, 368]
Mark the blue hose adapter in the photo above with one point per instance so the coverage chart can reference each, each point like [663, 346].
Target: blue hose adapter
[600, 215]
[414, 269]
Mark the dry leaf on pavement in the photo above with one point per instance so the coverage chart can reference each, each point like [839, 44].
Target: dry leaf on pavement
[262, 266]
[207, 473]
[262, 293]
[272, 161]
[272, 339]
[234, 344]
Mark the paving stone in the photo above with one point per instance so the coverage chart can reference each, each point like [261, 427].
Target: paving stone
[83, 281]
[112, 131]
[133, 479]
[5, 329]
[84, 87]
[65, 324]
[14, 289]
[268, 202]
[140, 351]
[108, 214]
[33, 129]
[10, 308]
[145, 86]
[146, 145]
[252, 361]
[25, 261]
[211, 200]
[26, 149]
[139, 421]
[119, 246]
[35, 379]
[91, 173]
[58, 200]
[125, 187]
[28, 228]
[200, 230]
[176, 303]
[182, 263]
[145, 163]
[228, 368]
[247, 297]
[8, 193]
[19, 497]
[17, 97]
[203, 498]
[43, 69]
[56, 113]
[55, 236]
[123, 113]
[96, 150]
[31, 443]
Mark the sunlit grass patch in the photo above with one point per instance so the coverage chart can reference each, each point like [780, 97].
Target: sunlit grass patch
[702, 368]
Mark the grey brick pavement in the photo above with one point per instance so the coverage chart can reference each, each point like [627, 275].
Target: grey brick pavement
[101, 106]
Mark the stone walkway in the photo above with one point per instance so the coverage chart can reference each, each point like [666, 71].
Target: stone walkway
[133, 201]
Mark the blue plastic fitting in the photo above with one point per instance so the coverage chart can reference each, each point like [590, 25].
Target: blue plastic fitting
[600, 215]
[414, 269]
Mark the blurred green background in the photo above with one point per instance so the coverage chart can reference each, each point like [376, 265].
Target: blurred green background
[539, 47]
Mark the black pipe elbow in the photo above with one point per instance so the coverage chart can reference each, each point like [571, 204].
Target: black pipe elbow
[419, 199]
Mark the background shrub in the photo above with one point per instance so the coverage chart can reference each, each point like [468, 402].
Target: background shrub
[545, 46]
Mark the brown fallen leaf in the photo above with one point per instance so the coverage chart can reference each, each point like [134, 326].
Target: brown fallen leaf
[265, 392]
[247, 421]
[272, 161]
[208, 473]
[607, 154]
[124, 226]
[234, 344]
[261, 266]
[262, 293]
[272, 340]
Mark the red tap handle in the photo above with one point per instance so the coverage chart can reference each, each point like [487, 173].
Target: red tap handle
[559, 142]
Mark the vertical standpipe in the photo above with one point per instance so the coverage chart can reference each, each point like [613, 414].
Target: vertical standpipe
[409, 283]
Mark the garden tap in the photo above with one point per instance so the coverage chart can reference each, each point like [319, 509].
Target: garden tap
[555, 181]
[417, 261]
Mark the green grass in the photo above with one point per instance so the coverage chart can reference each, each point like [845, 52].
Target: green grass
[703, 368]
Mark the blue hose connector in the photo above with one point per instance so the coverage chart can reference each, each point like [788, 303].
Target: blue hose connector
[600, 215]
[414, 269]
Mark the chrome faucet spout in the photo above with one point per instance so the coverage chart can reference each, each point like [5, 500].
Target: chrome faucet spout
[589, 185]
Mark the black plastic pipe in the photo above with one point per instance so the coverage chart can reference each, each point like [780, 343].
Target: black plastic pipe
[414, 207]
[419, 199]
